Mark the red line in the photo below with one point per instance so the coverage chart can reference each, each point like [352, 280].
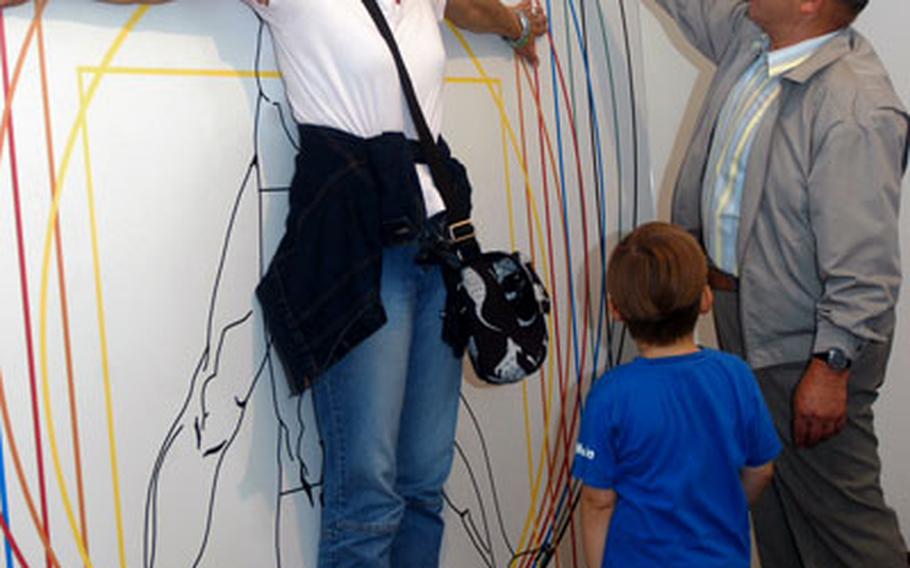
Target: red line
[560, 369]
[12, 542]
[543, 376]
[23, 282]
[20, 475]
[524, 160]
[567, 434]
[530, 224]
[535, 90]
[553, 289]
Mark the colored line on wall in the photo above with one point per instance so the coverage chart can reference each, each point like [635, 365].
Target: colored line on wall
[61, 283]
[55, 207]
[23, 277]
[20, 474]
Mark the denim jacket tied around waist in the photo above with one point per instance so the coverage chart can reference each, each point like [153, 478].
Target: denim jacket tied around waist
[349, 198]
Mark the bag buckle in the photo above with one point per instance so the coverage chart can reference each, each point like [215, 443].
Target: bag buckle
[460, 231]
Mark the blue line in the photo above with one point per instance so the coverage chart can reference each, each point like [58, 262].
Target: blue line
[559, 506]
[611, 74]
[568, 240]
[601, 189]
[5, 503]
[596, 131]
[602, 320]
[564, 199]
[599, 192]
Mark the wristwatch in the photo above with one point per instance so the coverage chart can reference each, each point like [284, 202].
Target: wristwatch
[835, 358]
[525, 36]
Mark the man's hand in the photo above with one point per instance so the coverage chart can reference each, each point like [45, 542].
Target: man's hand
[820, 404]
[539, 25]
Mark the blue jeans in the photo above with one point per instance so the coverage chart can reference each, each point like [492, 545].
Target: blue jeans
[387, 414]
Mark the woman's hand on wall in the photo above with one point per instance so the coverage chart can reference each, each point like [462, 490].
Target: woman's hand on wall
[520, 24]
[538, 24]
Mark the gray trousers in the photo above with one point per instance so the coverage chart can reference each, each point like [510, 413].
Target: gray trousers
[824, 507]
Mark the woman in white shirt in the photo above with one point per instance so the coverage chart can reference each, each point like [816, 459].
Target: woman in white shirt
[360, 325]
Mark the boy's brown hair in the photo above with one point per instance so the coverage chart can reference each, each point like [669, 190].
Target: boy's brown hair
[655, 279]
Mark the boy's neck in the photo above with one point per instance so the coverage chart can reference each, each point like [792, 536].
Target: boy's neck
[683, 346]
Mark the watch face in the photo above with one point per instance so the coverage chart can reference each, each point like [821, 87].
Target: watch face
[837, 359]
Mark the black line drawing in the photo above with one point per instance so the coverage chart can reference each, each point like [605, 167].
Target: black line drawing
[208, 423]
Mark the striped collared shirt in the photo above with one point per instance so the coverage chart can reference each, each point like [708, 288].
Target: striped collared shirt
[734, 133]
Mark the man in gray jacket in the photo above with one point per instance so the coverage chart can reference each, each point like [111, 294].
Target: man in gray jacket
[792, 184]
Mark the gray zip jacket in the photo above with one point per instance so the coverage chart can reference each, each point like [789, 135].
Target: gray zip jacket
[818, 238]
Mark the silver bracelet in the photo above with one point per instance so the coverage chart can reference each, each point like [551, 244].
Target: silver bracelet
[525, 36]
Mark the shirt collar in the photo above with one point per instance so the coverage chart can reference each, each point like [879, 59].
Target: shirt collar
[782, 60]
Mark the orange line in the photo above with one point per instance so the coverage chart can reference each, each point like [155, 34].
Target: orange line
[546, 514]
[13, 450]
[61, 283]
[17, 71]
[7, 134]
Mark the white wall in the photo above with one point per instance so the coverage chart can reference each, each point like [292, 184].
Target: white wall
[215, 464]
[676, 78]
[169, 153]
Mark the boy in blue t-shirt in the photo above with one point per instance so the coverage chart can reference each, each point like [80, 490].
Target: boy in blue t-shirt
[675, 445]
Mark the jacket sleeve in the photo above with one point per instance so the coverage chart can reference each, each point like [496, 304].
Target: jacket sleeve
[854, 196]
[709, 25]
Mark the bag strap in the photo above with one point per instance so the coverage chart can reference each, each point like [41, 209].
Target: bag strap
[458, 207]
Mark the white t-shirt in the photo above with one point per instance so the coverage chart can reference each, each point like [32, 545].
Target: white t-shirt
[339, 72]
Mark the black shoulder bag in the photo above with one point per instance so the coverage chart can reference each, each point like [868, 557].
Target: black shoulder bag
[496, 305]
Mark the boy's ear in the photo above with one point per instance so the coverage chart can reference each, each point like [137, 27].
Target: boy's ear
[613, 311]
[707, 300]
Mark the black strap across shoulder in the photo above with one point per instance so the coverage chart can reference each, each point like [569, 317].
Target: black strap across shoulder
[458, 206]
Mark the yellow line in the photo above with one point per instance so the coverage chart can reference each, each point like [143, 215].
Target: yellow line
[508, 176]
[514, 142]
[524, 384]
[96, 265]
[174, 72]
[550, 361]
[549, 378]
[105, 68]
[85, 102]
[489, 81]
[506, 130]
[525, 399]
[79, 124]
[232, 74]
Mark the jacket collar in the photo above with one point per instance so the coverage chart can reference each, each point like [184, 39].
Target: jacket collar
[837, 47]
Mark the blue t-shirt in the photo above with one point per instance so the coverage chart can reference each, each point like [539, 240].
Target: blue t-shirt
[670, 436]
